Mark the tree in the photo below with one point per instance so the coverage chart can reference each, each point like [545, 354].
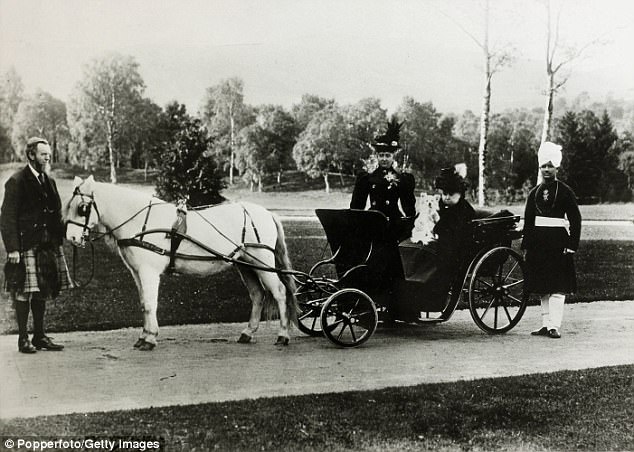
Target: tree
[495, 58]
[225, 113]
[106, 101]
[322, 144]
[265, 146]
[364, 120]
[145, 134]
[41, 115]
[590, 160]
[187, 168]
[556, 79]
[308, 107]
[11, 94]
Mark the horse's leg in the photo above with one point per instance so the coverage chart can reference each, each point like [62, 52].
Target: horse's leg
[149, 280]
[256, 293]
[277, 289]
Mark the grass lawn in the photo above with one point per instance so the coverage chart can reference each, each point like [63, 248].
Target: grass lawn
[570, 410]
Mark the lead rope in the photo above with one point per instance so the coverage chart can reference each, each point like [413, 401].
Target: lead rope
[79, 284]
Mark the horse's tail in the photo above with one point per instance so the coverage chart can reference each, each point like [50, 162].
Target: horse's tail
[283, 262]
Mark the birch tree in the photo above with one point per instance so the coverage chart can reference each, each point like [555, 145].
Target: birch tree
[107, 98]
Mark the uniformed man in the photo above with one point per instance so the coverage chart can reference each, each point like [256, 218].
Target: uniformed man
[386, 187]
[552, 228]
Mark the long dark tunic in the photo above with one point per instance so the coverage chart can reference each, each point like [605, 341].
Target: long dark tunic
[548, 269]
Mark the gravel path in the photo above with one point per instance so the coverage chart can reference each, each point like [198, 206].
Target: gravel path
[100, 371]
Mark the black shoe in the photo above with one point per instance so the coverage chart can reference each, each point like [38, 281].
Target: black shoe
[24, 346]
[553, 333]
[543, 331]
[46, 343]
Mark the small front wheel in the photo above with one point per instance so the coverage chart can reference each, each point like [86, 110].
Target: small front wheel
[310, 299]
[497, 299]
[349, 317]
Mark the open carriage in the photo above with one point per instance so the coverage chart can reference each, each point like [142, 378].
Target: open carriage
[369, 278]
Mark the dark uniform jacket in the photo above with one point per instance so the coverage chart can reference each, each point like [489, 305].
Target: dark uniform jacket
[548, 269]
[31, 213]
[385, 187]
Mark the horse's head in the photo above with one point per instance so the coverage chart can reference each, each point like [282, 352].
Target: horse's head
[81, 212]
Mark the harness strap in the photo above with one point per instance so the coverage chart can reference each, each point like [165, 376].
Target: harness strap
[163, 252]
[147, 216]
[244, 225]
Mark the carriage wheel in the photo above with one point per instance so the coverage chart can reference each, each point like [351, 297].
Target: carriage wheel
[496, 291]
[349, 317]
[310, 301]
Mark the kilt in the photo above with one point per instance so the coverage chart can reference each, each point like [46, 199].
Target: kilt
[30, 282]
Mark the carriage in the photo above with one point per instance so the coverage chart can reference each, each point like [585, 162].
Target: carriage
[370, 277]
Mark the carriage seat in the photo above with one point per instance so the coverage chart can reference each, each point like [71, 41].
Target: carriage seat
[495, 227]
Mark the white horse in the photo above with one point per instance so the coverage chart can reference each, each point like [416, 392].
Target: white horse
[244, 232]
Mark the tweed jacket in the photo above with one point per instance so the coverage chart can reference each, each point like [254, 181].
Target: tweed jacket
[30, 213]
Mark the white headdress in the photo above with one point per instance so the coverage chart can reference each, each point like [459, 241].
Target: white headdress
[549, 152]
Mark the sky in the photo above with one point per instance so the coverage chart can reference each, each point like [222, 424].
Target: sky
[341, 49]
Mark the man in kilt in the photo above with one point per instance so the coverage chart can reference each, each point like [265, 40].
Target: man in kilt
[552, 228]
[32, 232]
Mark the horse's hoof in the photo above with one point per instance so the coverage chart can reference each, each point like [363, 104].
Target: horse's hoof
[244, 339]
[147, 346]
[281, 340]
[140, 341]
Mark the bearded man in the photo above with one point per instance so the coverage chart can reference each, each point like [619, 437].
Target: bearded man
[32, 232]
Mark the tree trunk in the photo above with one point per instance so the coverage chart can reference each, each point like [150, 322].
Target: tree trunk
[327, 182]
[482, 148]
[231, 143]
[279, 177]
[113, 170]
[484, 117]
[145, 168]
[260, 183]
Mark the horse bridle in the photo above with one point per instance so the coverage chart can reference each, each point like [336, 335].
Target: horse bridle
[84, 210]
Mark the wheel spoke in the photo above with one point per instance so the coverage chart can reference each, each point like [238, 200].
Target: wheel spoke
[513, 284]
[514, 298]
[484, 282]
[354, 337]
[508, 314]
[487, 308]
[511, 270]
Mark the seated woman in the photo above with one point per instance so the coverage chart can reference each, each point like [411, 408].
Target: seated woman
[435, 264]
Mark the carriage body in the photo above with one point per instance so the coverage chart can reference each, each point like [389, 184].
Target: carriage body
[375, 277]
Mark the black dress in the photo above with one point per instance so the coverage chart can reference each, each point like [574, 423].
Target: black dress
[386, 187]
[548, 269]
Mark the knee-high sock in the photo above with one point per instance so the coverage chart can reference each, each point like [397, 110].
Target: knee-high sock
[556, 309]
[545, 304]
[22, 316]
[38, 306]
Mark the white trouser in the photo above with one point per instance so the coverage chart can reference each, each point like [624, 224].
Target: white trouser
[552, 310]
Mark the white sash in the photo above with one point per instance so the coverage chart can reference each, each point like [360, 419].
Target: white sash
[550, 222]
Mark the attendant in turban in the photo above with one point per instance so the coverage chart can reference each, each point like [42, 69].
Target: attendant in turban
[552, 228]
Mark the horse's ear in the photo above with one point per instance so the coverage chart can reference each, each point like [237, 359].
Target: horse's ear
[77, 181]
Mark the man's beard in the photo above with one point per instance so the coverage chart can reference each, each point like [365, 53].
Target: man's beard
[41, 168]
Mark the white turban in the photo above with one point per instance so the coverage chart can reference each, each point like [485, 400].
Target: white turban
[549, 152]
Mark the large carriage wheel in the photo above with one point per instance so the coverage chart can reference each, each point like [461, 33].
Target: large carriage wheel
[496, 290]
[349, 317]
[310, 300]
